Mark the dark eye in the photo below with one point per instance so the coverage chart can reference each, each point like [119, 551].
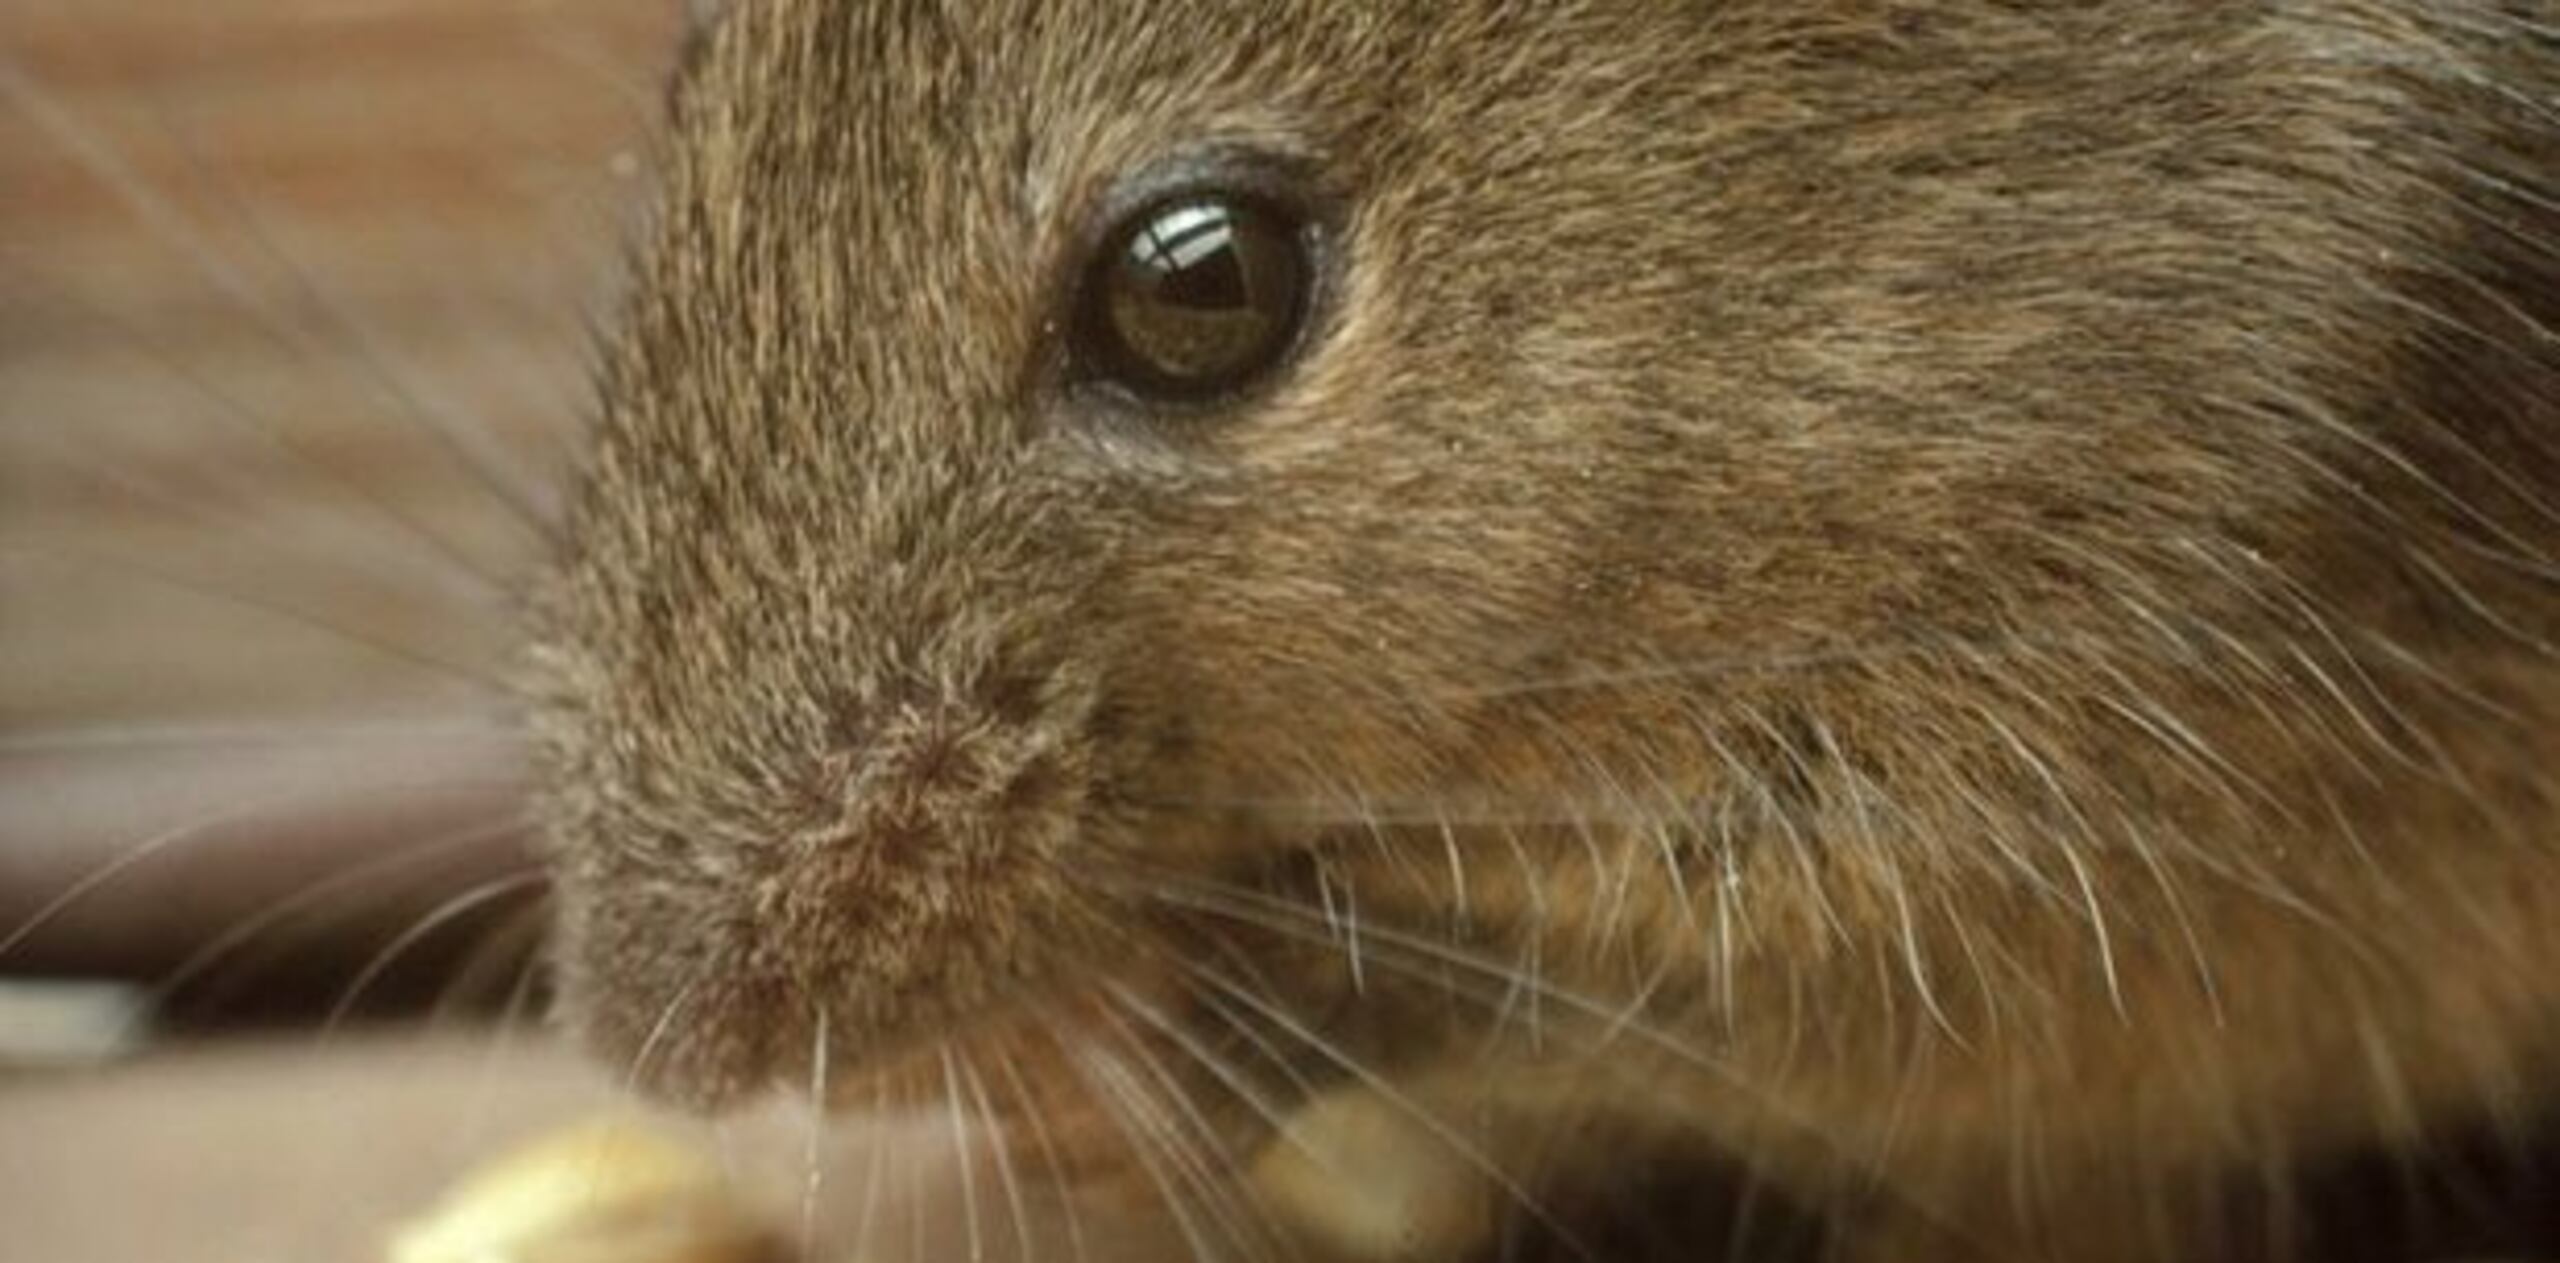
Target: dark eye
[1194, 296]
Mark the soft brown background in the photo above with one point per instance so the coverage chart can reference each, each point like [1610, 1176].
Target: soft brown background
[274, 276]
[236, 226]
[293, 295]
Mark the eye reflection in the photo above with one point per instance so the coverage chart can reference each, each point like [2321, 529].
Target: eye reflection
[1196, 297]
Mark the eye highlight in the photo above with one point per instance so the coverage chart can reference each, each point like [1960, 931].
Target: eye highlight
[1194, 296]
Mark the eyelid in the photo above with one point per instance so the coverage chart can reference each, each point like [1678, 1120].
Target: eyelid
[1289, 179]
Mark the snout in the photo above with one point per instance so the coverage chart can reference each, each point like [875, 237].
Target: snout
[905, 877]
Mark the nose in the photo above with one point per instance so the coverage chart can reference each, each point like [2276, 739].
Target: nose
[885, 883]
[917, 802]
[910, 781]
[930, 839]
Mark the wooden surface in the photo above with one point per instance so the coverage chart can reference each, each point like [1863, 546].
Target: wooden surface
[293, 299]
[274, 276]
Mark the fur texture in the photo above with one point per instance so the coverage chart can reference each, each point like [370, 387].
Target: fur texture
[1957, 599]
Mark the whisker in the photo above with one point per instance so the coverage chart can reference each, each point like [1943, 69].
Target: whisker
[211, 484]
[1771, 662]
[871, 1182]
[222, 945]
[1240, 1023]
[1255, 908]
[465, 576]
[127, 860]
[1194, 1142]
[1467, 811]
[1343, 918]
[545, 29]
[1208, 1195]
[658, 1031]
[1041, 1138]
[911, 1184]
[1458, 910]
[452, 909]
[1107, 1080]
[813, 1179]
[90, 148]
[1218, 1067]
[452, 426]
[1369, 1078]
[137, 571]
[511, 1021]
[1011, 1185]
[512, 939]
[960, 1149]
[96, 154]
[252, 733]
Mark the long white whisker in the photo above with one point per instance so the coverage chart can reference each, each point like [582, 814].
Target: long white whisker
[1108, 1080]
[252, 733]
[1010, 1184]
[467, 437]
[453, 909]
[1193, 1140]
[1770, 662]
[659, 1029]
[814, 1176]
[1466, 1150]
[1258, 909]
[125, 862]
[1272, 1054]
[215, 949]
[86, 146]
[127, 568]
[871, 1183]
[455, 570]
[1046, 1143]
[474, 1116]
[960, 1148]
[1207, 1058]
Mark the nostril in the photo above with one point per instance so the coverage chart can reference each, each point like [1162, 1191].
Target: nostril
[937, 757]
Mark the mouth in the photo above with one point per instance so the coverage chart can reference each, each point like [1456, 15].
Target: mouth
[1085, 1077]
[1020, 983]
[1085, 979]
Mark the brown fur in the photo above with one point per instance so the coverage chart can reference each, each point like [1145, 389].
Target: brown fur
[1967, 588]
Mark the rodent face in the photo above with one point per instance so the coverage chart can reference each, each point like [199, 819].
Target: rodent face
[1754, 480]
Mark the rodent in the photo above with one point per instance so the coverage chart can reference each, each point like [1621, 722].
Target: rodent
[1954, 601]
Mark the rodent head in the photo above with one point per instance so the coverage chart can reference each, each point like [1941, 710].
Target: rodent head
[1807, 446]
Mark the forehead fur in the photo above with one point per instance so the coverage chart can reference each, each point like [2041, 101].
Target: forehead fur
[1863, 293]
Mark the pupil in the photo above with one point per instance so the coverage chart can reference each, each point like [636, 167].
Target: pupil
[1193, 252]
[1205, 293]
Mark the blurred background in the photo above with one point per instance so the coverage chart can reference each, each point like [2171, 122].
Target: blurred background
[292, 301]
